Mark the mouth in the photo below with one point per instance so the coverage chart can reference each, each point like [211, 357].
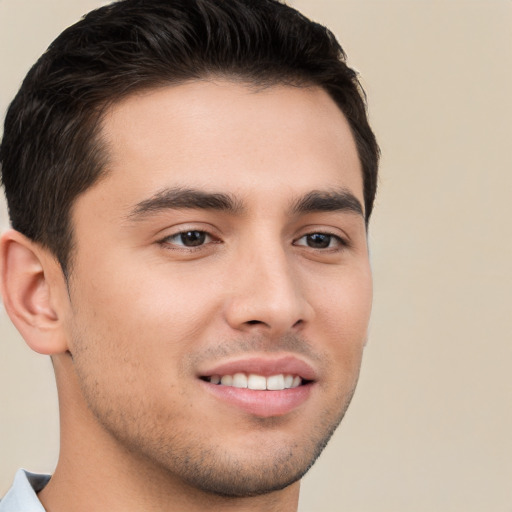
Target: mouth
[257, 382]
[261, 387]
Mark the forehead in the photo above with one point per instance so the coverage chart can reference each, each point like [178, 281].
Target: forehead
[227, 136]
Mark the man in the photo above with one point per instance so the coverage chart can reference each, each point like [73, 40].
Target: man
[189, 184]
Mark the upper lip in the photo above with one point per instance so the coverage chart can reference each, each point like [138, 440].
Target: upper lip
[265, 366]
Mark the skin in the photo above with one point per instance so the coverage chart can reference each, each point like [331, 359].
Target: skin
[143, 316]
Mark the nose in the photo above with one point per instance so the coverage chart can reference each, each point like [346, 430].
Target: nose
[267, 294]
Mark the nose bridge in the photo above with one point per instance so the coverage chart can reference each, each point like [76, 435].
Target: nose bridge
[268, 291]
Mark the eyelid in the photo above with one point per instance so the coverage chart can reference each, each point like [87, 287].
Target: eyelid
[175, 231]
[341, 241]
[332, 231]
[177, 235]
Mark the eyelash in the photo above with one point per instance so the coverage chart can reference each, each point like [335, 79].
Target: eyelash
[166, 241]
[341, 242]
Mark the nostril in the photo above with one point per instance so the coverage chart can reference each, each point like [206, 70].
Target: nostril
[254, 322]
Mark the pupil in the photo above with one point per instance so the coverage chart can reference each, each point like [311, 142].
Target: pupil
[319, 240]
[193, 238]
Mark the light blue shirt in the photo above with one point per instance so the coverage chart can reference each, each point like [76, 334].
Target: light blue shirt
[22, 496]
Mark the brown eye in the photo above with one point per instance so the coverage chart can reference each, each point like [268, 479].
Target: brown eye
[193, 238]
[320, 241]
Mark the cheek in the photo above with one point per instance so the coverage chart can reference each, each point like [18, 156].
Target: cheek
[142, 320]
[143, 297]
[344, 316]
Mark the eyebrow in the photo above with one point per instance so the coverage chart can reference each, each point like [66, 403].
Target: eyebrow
[330, 201]
[178, 198]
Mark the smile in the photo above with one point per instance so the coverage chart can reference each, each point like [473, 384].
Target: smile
[261, 386]
[256, 382]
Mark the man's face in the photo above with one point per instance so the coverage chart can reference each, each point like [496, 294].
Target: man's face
[224, 243]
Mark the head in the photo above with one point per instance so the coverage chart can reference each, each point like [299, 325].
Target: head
[195, 179]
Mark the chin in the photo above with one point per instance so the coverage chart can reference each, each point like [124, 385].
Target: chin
[262, 470]
[236, 480]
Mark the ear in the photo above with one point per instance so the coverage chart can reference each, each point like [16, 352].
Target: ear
[34, 292]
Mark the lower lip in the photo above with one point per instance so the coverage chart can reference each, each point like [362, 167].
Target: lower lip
[264, 404]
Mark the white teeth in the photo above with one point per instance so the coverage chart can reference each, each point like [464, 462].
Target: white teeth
[258, 382]
[275, 382]
[239, 380]
[226, 380]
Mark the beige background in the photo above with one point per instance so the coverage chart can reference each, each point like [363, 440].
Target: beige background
[430, 428]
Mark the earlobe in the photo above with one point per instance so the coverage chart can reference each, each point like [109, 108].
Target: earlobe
[31, 282]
